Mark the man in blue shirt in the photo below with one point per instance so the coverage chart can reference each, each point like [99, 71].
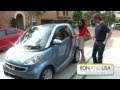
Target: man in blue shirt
[102, 34]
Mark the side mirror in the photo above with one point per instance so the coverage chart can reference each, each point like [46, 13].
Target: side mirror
[57, 41]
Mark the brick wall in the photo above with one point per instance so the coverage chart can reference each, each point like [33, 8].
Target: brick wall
[5, 18]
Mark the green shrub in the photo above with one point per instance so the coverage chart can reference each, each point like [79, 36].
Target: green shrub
[117, 27]
[13, 22]
[73, 24]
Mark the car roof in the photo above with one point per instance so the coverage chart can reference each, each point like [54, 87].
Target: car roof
[8, 28]
[54, 24]
[116, 23]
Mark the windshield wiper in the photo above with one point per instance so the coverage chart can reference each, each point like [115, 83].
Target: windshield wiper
[32, 47]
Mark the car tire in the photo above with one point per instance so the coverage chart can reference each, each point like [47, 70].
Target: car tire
[47, 73]
[76, 56]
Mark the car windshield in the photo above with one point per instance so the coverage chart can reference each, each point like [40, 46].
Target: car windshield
[117, 23]
[36, 37]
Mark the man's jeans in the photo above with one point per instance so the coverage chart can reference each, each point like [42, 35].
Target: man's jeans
[98, 47]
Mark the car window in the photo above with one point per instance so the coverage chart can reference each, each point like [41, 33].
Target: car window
[2, 33]
[60, 33]
[11, 31]
[118, 24]
[68, 32]
[36, 36]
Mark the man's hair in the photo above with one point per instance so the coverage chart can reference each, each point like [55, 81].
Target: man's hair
[98, 16]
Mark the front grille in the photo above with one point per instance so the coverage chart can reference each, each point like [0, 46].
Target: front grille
[17, 68]
[13, 76]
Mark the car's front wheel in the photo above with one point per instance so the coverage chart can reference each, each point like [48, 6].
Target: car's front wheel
[47, 73]
[76, 56]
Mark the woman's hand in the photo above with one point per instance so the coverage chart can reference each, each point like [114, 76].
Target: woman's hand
[74, 35]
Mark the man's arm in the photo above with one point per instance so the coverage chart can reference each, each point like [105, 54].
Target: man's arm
[94, 36]
[107, 37]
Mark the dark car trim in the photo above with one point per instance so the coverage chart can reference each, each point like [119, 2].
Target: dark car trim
[14, 67]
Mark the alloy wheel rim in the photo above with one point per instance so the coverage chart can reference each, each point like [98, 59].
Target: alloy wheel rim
[77, 57]
[47, 74]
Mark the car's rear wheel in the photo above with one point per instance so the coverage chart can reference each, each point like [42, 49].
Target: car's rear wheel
[47, 73]
[76, 56]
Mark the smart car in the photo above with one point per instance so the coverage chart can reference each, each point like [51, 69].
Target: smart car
[115, 25]
[41, 52]
[8, 36]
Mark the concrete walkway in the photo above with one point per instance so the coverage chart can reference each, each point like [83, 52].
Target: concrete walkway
[111, 55]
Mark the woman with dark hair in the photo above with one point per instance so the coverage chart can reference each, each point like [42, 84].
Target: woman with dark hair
[82, 28]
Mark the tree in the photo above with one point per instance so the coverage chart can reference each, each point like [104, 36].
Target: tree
[117, 20]
[13, 23]
[87, 17]
[77, 15]
[109, 17]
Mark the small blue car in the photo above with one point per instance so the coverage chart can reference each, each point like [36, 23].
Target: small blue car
[41, 52]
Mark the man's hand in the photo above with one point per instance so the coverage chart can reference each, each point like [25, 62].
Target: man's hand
[107, 37]
[105, 42]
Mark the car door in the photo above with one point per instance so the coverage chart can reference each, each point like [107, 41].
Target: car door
[61, 49]
[12, 36]
[3, 42]
[69, 45]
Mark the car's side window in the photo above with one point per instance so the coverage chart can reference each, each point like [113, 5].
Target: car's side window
[60, 33]
[2, 33]
[68, 32]
[11, 31]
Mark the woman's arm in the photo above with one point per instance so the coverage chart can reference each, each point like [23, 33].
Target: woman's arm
[82, 32]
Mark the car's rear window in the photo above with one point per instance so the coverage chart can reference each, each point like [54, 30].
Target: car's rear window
[11, 31]
[2, 33]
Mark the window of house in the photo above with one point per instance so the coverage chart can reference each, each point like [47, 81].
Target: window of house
[28, 21]
[63, 13]
[66, 13]
[34, 20]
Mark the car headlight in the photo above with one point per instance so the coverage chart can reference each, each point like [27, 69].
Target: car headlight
[6, 57]
[32, 60]
[112, 26]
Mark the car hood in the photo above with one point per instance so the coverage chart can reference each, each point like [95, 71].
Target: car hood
[18, 54]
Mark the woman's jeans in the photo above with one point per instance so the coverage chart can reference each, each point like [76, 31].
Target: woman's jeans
[98, 47]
